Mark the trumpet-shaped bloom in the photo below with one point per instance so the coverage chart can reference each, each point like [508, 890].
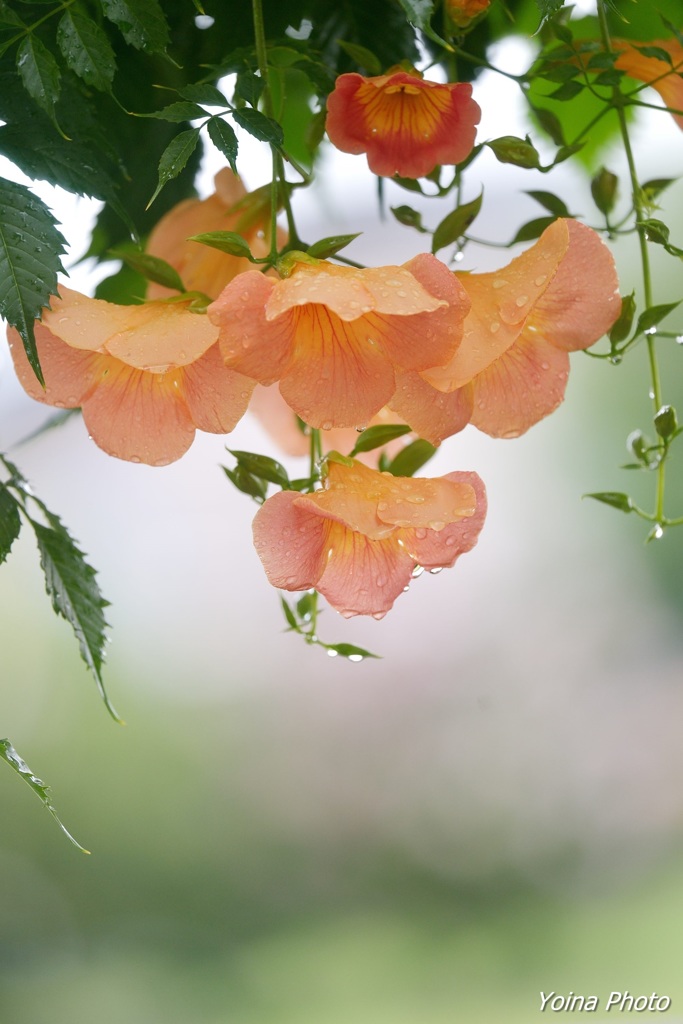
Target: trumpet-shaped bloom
[359, 539]
[462, 12]
[405, 125]
[146, 377]
[335, 336]
[665, 77]
[512, 367]
[201, 267]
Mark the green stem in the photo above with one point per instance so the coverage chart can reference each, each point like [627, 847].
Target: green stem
[618, 102]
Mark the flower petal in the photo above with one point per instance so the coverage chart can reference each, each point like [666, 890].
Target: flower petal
[422, 503]
[351, 497]
[432, 414]
[363, 576]
[139, 416]
[69, 374]
[291, 542]
[251, 344]
[215, 395]
[440, 549]
[339, 376]
[664, 77]
[527, 383]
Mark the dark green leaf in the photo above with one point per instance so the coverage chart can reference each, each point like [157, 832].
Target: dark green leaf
[263, 128]
[455, 224]
[550, 202]
[653, 187]
[8, 16]
[86, 49]
[224, 139]
[39, 73]
[363, 57]
[406, 215]
[510, 150]
[204, 93]
[563, 153]
[609, 78]
[655, 51]
[75, 595]
[142, 23]
[550, 124]
[613, 498]
[622, 326]
[18, 765]
[263, 467]
[10, 523]
[248, 87]
[604, 189]
[375, 437]
[410, 184]
[30, 246]
[601, 61]
[183, 110]
[151, 267]
[567, 91]
[174, 158]
[247, 484]
[656, 231]
[411, 458]
[548, 9]
[418, 12]
[305, 606]
[349, 651]
[532, 229]
[226, 241]
[666, 423]
[329, 246]
[652, 316]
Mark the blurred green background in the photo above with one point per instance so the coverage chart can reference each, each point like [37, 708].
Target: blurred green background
[492, 810]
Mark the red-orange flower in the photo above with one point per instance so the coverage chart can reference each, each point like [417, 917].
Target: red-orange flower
[146, 376]
[404, 124]
[665, 77]
[462, 12]
[335, 336]
[359, 540]
[201, 267]
[512, 367]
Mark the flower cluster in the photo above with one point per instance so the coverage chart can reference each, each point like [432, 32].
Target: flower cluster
[340, 347]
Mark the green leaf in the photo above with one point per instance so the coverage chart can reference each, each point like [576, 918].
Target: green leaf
[174, 158]
[204, 93]
[411, 218]
[30, 246]
[226, 241]
[86, 49]
[8, 16]
[567, 91]
[653, 187]
[349, 651]
[656, 231]
[151, 267]
[550, 124]
[411, 458]
[335, 456]
[418, 12]
[652, 316]
[622, 326]
[183, 110]
[375, 437]
[71, 585]
[10, 523]
[655, 51]
[613, 498]
[666, 422]
[548, 9]
[263, 467]
[289, 615]
[224, 139]
[39, 73]
[455, 224]
[306, 605]
[142, 23]
[550, 202]
[532, 229]
[248, 87]
[508, 149]
[263, 128]
[247, 484]
[362, 56]
[18, 765]
[329, 246]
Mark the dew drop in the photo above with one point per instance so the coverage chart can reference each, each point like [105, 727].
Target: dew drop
[135, 458]
[494, 327]
[499, 282]
[521, 300]
[417, 571]
[541, 279]
[332, 654]
[381, 581]
[327, 425]
[436, 570]
[437, 526]
[421, 533]
[355, 657]
[545, 366]
[658, 531]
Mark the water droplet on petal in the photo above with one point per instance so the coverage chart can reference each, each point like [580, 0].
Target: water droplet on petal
[417, 571]
[521, 300]
[436, 570]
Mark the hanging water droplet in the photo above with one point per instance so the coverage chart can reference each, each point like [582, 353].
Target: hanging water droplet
[459, 256]
[332, 654]
[417, 571]
[658, 531]
[355, 657]
[436, 570]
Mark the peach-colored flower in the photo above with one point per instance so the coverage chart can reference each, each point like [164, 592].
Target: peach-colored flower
[404, 124]
[146, 376]
[512, 367]
[462, 12]
[358, 540]
[665, 78]
[201, 267]
[334, 336]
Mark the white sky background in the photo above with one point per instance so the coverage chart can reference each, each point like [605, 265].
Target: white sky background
[550, 620]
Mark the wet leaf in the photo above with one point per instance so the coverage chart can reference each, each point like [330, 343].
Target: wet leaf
[327, 247]
[226, 241]
[263, 128]
[375, 437]
[39, 73]
[178, 112]
[652, 316]
[175, 157]
[141, 22]
[666, 423]
[86, 49]
[42, 791]
[204, 93]
[350, 651]
[30, 247]
[263, 466]
[224, 139]
[10, 523]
